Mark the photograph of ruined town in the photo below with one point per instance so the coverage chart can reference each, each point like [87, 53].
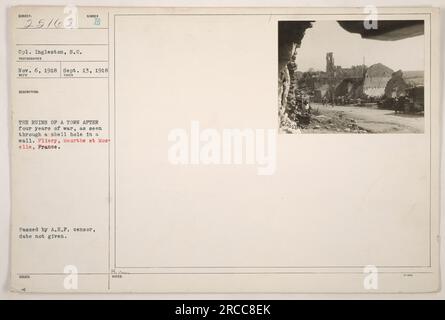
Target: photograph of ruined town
[351, 76]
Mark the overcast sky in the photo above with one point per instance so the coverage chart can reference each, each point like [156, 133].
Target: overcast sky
[349, 49]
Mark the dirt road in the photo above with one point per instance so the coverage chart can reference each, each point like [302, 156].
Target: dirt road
[369, 118]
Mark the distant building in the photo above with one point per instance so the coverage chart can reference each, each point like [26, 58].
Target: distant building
[357, 82]
[351, 88]
[376, 78]
[330, 65]
[407, 84]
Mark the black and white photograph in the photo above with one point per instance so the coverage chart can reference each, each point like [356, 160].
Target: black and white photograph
[351, 76]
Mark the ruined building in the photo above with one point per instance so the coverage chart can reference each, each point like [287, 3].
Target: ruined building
[401, 81]
[408, 84]
[331, 75]
[290, 34]
[356, 82]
